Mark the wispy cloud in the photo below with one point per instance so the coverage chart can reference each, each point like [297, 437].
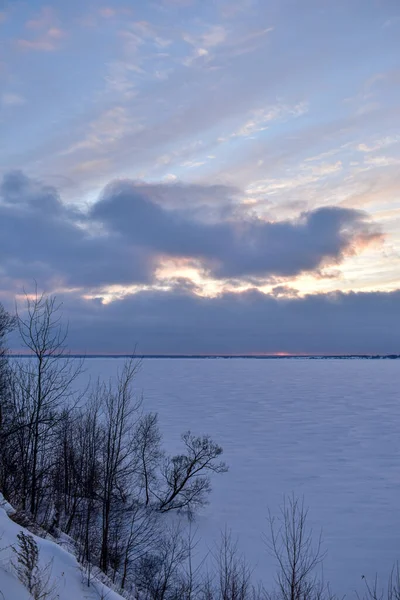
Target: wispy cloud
[197, 55]
[43, 20]
[382, 161]
[46, 43]
[213, 36]
[110, 12]
[260, 119]
[391, 21]
[9, 99]
[379, 144]
[233, 8]
[107, 12]
[179, 3]
[121, 77]
[192, 164]
[218, 42]
[306, 175]
[204, 44]
[248, 42]
[48, 32]
[92, 165]
[105, 131]
[132, 41]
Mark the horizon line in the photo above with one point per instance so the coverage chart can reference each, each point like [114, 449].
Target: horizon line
[214, 356]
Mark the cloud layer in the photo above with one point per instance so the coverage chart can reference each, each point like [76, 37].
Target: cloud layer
[121, 238]
[179, 322]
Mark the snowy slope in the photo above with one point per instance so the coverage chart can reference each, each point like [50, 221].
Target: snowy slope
[65, 574]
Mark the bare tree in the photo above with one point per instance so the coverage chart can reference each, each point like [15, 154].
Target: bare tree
[98, 471]
[119, 460]
[159, 574]
[76, 481]
[42, 390]
[192, 575]
[7, 459]
[7, 324]
[391, 591]
[140, 536]
[230, 577]
[234, 575]
[148, 440]
[298, 554]
[185, 477]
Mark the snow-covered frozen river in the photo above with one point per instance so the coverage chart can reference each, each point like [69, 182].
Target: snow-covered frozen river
[325, 429]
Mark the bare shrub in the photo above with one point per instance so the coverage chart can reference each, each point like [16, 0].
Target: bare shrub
[230, 577]
[36, 579]
[159, 574]
[298, 554]
[390, 591]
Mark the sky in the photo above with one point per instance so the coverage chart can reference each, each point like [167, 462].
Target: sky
[204, 176]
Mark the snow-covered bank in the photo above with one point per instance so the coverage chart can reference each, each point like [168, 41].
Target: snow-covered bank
[67, 579]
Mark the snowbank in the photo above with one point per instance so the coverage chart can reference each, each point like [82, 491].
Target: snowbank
[66, 574]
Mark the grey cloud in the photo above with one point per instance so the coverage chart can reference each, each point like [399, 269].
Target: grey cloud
[43, 239]
[234, 248]
[120, 239]
[237, 323]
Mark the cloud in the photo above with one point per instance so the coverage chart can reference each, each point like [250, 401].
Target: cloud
[48, 32]
[306, 175]
[44, 20]
[260, 119]
[192, 164]
[379, 144]
[107, 12]
[213, 36]
[92, 165]
[9, 99]
[232, 8]
[240, 45]
[382, 161]
[196, 56]
[47, 42]
[251, 247]
[106, 130]
[178, 3]
[41, 238]
[43, 44]
[179, 321]
[121, 238]
[217, 45]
